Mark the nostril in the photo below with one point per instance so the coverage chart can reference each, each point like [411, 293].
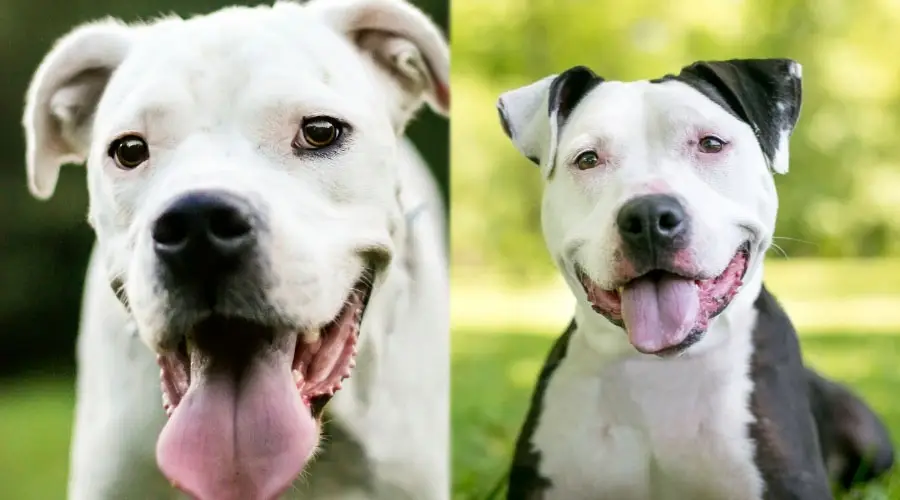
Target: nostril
[669, 221]
[632, 225]
[171, 229]
[226, 223]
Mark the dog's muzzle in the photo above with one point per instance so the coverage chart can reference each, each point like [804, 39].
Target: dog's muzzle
[243, 387]
[659, 298]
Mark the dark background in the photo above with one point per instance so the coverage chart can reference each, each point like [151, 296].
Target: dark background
[44, 246]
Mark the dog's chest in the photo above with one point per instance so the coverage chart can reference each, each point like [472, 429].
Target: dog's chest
[639, 430]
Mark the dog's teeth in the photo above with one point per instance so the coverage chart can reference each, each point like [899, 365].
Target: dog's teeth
[298, 377]
[312, 336]
[620, 290]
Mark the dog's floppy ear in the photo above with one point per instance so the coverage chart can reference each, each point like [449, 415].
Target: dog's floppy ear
[62, 98]
[765, 93]
[533, 116]
[404, 42]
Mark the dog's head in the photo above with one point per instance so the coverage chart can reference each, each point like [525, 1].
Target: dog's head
[659, 198]
[243, 177]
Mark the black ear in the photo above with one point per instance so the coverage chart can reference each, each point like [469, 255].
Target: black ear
[532, 116]
[765, 93]
[567, 90]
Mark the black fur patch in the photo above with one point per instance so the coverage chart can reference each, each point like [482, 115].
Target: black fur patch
[567, 90]
[788, 453]
[525, 480]
[761, 92]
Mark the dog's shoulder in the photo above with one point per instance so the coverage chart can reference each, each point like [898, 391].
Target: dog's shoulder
[788, 453]
[525, 480]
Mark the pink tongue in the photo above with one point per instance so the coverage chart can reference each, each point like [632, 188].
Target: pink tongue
[238, 436]
[659, 314]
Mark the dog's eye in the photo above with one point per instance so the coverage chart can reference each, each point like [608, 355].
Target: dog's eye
[711, 144]
[318, 133]
[129, 151]
[587, 160]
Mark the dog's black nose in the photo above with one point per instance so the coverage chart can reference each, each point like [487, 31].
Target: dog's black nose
[204, 231]
[652, 223]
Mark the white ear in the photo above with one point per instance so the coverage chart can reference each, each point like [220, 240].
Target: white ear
[403, 41]
[525, 117]
[63, 96]
[534, 115]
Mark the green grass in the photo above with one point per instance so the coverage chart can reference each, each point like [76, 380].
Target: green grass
[35, 422]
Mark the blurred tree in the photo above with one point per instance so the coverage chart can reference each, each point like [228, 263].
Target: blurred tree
[44, 246]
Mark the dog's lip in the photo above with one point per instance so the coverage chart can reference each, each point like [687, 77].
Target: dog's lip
[616, 288]
[179, 357]
[613, 295]
[363, 286]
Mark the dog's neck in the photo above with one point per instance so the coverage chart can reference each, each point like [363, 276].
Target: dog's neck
[396, 294]
[729, 331]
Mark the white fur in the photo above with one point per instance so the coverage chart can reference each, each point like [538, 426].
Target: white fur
[219, 99]
[617, 424]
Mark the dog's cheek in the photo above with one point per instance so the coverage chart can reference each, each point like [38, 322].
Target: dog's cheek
[146, 302]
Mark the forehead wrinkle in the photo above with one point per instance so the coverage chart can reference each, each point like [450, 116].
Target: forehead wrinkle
[611, 115]
[684, 105]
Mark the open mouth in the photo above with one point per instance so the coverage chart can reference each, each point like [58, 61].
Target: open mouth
[665, 313]
[244, 399]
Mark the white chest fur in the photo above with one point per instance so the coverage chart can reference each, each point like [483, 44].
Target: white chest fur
[629, 427]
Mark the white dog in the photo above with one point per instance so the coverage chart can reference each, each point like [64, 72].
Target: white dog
[680, 376]
[255, 202]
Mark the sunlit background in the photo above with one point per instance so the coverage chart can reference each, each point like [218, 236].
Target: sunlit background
[44, 246]
[838, 267]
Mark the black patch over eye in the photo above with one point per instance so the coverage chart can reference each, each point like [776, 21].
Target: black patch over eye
[711, 144]
[129, 151]
[587, 160]
[318, 133]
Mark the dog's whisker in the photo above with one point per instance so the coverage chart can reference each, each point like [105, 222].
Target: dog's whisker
[798, 240]
[779, 250]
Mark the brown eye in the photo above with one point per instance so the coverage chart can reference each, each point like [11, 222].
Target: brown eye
[711, 144]
[318, 133]
[129, 151]
[587, 160]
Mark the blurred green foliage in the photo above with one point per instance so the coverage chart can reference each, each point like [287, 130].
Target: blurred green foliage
[842, 195]
[44, 246]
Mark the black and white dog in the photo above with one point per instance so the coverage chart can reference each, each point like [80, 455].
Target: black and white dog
[680, 376]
